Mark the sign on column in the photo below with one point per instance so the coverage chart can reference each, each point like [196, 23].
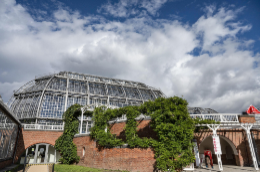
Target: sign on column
[216, 144]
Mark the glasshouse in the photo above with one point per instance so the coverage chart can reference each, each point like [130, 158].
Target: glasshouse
[33, 123]
[9, 128]
[44, 99]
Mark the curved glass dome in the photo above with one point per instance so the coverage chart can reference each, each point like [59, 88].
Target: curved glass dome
[44, 99]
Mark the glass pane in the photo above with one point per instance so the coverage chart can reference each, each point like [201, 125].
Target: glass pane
[97, 88]
[52, 106]
[8, 134]
[132, 92]
[84, 125]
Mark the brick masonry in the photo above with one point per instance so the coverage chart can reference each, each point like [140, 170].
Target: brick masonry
[120, 158]
[28, 138]
[130, 159]
[246, 118]
[237, 137]
[135, 159]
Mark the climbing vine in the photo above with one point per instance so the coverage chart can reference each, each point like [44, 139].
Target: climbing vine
[203, 121]
[169, 119]
[64, 144]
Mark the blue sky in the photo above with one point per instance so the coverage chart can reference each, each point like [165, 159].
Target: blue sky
[206, 51]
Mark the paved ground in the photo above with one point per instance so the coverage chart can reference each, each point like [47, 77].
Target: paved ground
[38, 168]
[227, 168]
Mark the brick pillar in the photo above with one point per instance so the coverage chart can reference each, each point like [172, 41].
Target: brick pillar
[246, 118]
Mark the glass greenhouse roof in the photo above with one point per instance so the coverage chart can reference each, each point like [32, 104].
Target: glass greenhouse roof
[47, 97]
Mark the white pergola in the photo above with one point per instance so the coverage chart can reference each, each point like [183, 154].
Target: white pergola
[246, 126]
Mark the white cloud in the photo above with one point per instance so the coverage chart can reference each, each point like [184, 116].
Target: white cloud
[219, 26]
[153, 5]
[126, 8]
[7, 89]
[123, 8]
[156, 52]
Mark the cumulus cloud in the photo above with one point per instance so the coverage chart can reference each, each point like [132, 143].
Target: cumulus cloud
[160, 53]
[218, 26]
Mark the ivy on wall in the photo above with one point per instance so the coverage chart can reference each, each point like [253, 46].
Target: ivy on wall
[64, 144]
[169, 119]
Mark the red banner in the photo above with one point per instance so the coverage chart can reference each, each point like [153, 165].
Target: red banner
[252, 110]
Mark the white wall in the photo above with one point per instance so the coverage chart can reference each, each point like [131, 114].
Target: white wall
[51, 154]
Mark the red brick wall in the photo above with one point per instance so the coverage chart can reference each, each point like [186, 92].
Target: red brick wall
[238, 138]
[120, 158]
[256, 134]
[29, 138]
[5, 163]
[143, 128]
[129, 159]
[246, 119]
[226, 161]
[117, 158]
[136, 159]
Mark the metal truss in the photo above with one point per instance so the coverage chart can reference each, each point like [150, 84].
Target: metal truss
[48, 97]
[246, 126]
[222, 118]
[8, 131]
[214, 128]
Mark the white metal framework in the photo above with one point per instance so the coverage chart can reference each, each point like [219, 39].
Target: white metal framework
[40, 103]
[214, 128]
[43, 100]
[42, 127]
[246, 126]
[219, 117]
[8, 132]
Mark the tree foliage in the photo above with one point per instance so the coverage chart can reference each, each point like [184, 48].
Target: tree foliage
[169, 119]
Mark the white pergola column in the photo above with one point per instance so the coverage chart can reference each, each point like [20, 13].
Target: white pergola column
[36, 154]
[196, 152]
[247, 128]
[66, 99]
[214, 128]
[55, 156]
[46, 154]
[81, 122]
